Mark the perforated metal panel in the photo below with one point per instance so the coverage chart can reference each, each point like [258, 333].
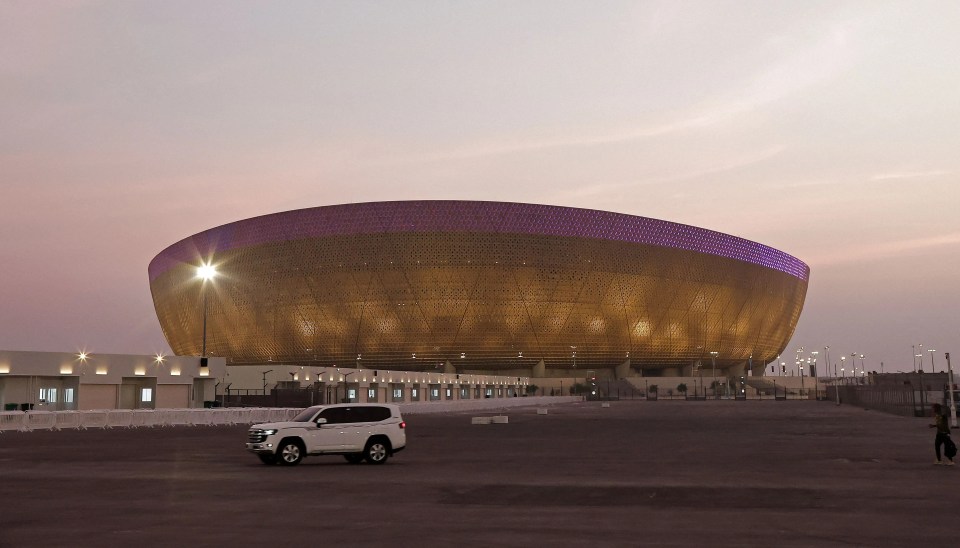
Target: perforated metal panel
[485, 285]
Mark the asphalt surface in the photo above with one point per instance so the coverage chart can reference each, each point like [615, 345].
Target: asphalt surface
[665, 473]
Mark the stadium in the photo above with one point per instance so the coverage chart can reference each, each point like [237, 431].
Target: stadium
[478, 287]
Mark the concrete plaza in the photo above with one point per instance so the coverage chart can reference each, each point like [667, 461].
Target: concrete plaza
[664, 473]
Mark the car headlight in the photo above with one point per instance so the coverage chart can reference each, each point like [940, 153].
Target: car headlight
[270, 431]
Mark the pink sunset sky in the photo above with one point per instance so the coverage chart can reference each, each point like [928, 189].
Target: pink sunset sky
[828, 130]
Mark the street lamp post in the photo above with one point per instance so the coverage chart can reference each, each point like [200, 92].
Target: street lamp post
[345, 384]
[953, 404]
[920, 355]
[205, 272]
[801, 380]
[843, 363]
[713, 361]
[932, 366]
[826, 354]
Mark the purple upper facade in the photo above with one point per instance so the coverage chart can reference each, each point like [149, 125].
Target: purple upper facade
[469, 216]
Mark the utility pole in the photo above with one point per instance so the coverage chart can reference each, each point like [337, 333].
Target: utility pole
[265, 380]
[953, 404]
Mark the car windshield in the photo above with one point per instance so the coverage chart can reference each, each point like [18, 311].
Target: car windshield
[306, 414]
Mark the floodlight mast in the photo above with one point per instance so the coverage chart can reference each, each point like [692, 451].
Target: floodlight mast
[953, 403]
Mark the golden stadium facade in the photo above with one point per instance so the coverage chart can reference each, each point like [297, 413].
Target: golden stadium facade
[477, 286]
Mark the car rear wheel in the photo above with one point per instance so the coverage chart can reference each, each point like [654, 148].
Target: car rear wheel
[377, 451]
[354, 458]
[290, 452]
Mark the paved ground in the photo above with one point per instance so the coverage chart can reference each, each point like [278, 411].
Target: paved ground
[664, 473]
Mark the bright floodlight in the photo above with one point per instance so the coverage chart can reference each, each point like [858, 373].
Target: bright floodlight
[206, 271]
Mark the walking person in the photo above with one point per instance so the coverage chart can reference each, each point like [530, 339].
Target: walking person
[943, 436]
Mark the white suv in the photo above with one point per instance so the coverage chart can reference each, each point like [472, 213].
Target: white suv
[357, 431]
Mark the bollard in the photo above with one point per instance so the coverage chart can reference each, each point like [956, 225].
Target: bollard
[480, 420]
[541, 411]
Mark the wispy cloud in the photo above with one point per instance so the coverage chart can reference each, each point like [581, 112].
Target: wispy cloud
[821, 59]
[727, 165]
[884, 249]
[910, 175]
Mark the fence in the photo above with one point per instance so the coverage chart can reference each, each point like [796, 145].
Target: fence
[904, 400]
[26, 421]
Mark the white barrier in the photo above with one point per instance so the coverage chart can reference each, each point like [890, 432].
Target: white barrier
[136, 418]
[93, 419]
[68, 419]
[487, 404]
[40, 420]
[142, 418]
[120, 418]
[11, 420]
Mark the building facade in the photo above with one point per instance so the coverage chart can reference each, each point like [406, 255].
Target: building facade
[478, 287]
[63, 381]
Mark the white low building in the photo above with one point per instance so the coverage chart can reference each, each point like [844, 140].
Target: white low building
[64, 381]
[60, 381]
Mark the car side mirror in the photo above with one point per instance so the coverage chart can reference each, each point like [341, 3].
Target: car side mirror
[321, 421]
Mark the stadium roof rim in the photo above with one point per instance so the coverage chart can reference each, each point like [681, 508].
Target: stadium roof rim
[469, 216]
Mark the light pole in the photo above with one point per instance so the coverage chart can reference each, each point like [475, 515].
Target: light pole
[953, 404]
[343, 379]
[921, 357]
[863, 370]
[914, 348]
[843, 362]
[853, 367]
[265, 380]
[826, 354]
[713, 361]
[932, 366]
[813, 368]
[206, 272]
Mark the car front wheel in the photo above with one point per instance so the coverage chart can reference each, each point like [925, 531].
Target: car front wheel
[290, 453]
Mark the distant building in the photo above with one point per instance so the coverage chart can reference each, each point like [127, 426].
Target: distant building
[479, 287]
[64, 381]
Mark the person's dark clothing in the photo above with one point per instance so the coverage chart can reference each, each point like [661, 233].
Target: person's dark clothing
[943, 434]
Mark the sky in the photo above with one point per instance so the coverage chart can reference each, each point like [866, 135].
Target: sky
[828, 130]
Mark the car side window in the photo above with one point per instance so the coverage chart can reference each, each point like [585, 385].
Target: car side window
[379, 413]
[357, 414]
[368, 414]
[334, 415]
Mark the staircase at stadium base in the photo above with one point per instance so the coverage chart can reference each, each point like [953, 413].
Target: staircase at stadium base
[619, 389]
[762, 386]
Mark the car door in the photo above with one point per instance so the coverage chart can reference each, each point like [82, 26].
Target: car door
[329, 436]
[355, 431]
